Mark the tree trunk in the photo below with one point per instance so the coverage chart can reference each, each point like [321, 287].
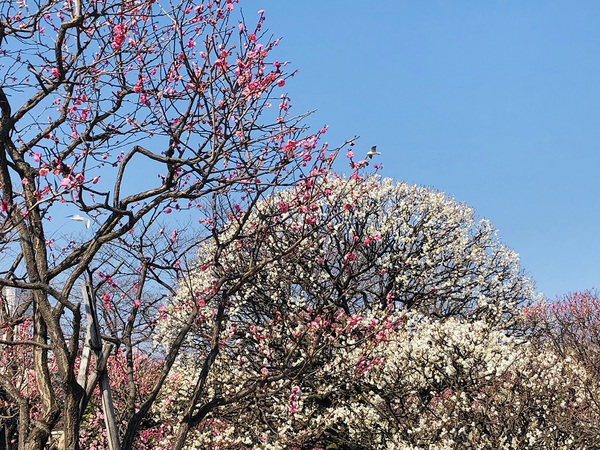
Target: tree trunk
[71, 421]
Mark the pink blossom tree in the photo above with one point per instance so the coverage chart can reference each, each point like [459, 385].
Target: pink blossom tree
[154, 125]
[570, 325]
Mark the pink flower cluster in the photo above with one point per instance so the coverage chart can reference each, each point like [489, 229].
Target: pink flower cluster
[119, 35]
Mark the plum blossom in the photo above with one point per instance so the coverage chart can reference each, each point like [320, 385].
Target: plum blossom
[394, 290]
[119, 36]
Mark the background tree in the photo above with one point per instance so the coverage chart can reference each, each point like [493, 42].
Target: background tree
[570, 325]
[123, 113]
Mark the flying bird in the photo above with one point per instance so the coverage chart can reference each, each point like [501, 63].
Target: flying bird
[78, 218]
[373, 152]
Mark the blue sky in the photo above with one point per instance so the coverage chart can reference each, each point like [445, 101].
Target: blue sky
[496, 103]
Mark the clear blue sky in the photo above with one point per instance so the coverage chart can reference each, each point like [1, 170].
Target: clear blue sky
[496, 103]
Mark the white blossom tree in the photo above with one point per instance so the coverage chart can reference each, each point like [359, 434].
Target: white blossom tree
[293, 336]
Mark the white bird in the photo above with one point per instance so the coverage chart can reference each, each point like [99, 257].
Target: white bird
[373, 152]
[78, 218]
